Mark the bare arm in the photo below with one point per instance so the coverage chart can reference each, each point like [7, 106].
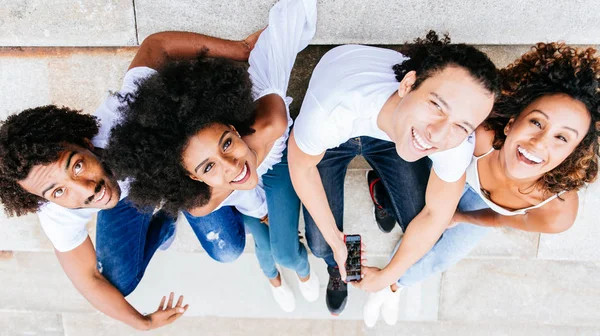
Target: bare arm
[80, 266]
[309, 187]
[159, 48]
[555, 217]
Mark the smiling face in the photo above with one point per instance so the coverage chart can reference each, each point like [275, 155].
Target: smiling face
[217, 156]
[76, 180]
[439, 114]
[543, 136]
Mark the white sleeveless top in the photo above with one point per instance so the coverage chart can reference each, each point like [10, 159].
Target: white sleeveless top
[292, 25]
[473, 181]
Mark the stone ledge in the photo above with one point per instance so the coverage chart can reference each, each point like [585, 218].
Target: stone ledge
[67, 23]
[384, 22]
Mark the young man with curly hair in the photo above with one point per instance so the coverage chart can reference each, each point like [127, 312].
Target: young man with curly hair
[50, 163]
[538, 148]
[401, 112]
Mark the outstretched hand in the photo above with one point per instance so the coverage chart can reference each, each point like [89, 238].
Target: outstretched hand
[167, 314]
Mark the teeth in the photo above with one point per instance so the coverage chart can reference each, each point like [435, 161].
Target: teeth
[420, 142]
[529, 155]
[242, 174]
[101, 195]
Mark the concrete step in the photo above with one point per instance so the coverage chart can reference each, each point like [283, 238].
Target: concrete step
[522, 291]
[123, 22]
[93, 324]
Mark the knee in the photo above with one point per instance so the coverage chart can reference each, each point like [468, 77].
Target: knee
[226, 253]
[320, 249]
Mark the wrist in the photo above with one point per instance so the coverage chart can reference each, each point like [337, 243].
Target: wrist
[244, 49]
[144, 323]
[336, 240]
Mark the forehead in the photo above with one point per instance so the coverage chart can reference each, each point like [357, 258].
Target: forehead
[205, 141]
[562, 110]
[459, 90]
[43, 175]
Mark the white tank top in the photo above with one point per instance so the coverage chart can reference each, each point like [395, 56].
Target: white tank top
[473, 181]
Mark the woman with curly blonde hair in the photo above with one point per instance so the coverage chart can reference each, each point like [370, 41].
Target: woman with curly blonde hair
[539, 147]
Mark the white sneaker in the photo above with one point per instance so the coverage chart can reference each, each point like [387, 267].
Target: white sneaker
[373, 305]
[284, 296]
[391, 306]
[310, 288]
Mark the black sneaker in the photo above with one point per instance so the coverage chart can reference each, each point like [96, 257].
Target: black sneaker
[379, 195]
[337, 292]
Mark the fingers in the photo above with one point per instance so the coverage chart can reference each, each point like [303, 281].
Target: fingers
[170, 303]
[180, 301]
[162, 303]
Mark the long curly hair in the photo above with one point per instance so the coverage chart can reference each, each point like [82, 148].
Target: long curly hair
[33, 137]
[430, 55]
[157, 121]
[547, 69]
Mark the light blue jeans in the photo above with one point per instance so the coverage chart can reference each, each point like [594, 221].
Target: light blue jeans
[275, 244]
[455, 243]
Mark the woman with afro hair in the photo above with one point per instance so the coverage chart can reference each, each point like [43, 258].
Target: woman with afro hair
[537, 149]
[209, 135]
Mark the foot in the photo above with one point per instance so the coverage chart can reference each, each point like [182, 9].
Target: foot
[309, 287]
[373, 306]
[283, 295]
[337, 292]
[390, 307]
[379, 196]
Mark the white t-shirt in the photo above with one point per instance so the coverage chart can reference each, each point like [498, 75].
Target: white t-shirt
[347, 90]
[66, 228]
[292, 25]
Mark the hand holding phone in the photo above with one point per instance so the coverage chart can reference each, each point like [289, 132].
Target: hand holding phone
[353, 262]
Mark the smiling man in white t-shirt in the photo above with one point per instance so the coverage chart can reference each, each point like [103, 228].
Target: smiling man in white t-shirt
[50, 163]
[403, 113]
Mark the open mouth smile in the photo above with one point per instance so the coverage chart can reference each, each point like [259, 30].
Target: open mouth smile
[243, 176]
[419, 142]
[527, 157]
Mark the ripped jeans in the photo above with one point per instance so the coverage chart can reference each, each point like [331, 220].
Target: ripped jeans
[278, 243]
[126, 240]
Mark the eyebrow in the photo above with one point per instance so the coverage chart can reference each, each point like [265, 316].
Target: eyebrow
[220, 141]
[69, 159]
[565, 127]
[47, 189]
[441, 101]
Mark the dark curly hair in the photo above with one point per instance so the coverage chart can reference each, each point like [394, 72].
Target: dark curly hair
[548, 69]
[36, 137]
[430, 55]
[168, 108]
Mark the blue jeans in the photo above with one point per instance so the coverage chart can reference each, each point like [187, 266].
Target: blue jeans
[455, 243]
[277, 243]
[126, 240]
[406, 183]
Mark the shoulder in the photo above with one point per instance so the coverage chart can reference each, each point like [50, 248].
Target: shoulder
[483, 140]
[451, 164]
[274, 121]
[557, 215]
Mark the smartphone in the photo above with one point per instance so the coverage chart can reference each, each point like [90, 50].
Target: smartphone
[354, 257]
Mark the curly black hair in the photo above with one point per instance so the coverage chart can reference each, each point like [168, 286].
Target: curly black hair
[33, 137]
[168, 108]
[554, 68]
[430, 55]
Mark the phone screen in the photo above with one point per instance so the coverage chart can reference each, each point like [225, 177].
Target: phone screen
[354, 256]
